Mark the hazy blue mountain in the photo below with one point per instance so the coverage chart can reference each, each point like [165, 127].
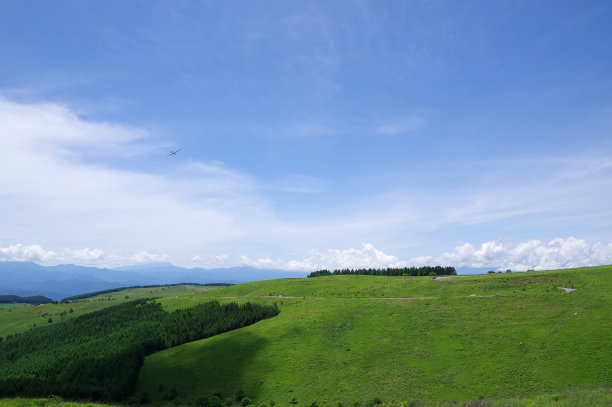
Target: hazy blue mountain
[57, 282]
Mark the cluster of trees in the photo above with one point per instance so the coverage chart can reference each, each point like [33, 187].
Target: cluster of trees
[114, 290]
[398, 271]
[38, 299]
[98, 355]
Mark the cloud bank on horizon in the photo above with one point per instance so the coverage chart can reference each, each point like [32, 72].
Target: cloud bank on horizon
[306, 130]
[531, 255]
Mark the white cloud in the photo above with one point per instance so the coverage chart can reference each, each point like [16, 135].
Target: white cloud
[533, 254]
[86, 256]
[146, 257]
[52, 128]
[66, 181]
[20, 252]
[366, 256]
[60, 189]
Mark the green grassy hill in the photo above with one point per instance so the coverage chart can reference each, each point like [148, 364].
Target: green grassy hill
[356, 338]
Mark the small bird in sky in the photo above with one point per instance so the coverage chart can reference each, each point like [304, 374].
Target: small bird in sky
[174, 152]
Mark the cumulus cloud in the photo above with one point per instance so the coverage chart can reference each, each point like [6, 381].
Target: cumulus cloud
[365, 256]
[533, 254]
[86, 256]
[146, 257]
[20, 252]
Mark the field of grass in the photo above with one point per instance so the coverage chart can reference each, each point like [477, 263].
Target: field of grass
[352, 339]
[392, 287]
[15, 318]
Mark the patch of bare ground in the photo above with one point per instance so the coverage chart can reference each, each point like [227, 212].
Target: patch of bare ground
[567, 290]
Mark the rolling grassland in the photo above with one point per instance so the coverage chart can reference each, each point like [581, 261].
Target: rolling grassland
[349, 339]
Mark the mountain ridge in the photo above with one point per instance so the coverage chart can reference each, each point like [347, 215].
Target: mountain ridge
[64, 280]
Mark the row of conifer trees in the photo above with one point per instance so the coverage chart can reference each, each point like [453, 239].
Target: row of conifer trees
[390, 271]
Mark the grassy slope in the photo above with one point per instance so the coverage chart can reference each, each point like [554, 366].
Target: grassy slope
[341, 341]
[15, 318]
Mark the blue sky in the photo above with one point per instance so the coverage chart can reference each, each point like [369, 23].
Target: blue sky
[313, 134]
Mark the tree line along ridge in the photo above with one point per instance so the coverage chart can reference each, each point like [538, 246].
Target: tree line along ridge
[390, 271]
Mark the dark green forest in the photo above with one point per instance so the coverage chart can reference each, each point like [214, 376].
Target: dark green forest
[402, 271]
[98, 355]
[38, 299]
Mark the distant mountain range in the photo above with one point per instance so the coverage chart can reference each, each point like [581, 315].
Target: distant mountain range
[64, 280]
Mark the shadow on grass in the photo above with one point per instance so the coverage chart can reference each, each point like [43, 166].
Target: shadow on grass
[199, 369]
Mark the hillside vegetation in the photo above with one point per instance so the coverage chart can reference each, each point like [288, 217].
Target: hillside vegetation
[98, 355]
[353, 339]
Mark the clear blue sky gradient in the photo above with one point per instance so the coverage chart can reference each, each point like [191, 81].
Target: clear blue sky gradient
[416, 126]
